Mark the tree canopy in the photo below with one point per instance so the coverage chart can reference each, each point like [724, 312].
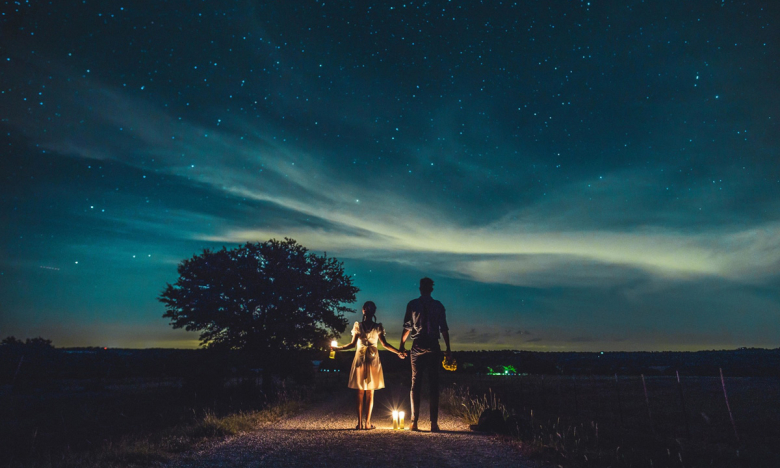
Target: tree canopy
[29, 343]
[268, 296]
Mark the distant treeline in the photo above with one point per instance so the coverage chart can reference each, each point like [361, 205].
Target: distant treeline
[740, 362]
[36, 360]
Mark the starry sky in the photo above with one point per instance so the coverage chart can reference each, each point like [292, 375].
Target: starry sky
[574, 175]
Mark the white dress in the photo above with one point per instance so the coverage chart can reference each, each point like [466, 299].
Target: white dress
[366, 373]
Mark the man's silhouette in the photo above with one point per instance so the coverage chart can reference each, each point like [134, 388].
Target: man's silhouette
[425, 318]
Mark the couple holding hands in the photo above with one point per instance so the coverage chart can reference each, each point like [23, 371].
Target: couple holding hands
[425, 319]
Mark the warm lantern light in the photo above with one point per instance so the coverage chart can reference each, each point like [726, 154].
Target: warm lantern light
[401, 420]
[333, 343]
[395, 419]
[450, 364]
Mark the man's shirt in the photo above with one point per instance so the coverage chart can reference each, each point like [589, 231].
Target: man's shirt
[425, 318]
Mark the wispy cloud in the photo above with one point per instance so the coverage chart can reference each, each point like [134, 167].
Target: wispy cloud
[329, 211]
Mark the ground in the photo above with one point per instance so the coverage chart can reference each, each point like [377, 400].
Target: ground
[324, 436]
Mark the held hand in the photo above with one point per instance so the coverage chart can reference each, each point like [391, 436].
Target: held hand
[402, 354]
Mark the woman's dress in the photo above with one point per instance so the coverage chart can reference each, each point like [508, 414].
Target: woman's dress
[366, 373]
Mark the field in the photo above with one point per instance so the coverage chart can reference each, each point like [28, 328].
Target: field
[117, 408]
[138, 408]
[134, 422]
[601, 421]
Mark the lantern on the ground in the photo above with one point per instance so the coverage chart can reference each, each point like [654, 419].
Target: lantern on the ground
[401, 420]
[395, 419]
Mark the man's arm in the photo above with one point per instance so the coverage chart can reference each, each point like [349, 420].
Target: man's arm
[445, 331]
[446, 336]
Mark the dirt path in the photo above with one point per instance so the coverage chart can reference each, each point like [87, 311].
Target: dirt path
[324, 436]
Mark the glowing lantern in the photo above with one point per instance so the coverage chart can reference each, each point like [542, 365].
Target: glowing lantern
[398, 420]
[333, 343]
[449, 364]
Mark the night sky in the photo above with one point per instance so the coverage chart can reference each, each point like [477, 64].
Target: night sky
[574, 175]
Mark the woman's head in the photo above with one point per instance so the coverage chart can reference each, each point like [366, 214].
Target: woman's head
[369, 311]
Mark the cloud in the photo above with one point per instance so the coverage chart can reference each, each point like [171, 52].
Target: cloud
[359, 218]
[547, 270]
[545, 259]
[581, 339]
[473, 336]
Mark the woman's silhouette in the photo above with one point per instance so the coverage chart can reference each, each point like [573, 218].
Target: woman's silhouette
[366, 374]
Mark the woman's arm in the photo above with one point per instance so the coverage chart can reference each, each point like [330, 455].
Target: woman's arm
[388, 346]
[350, 345]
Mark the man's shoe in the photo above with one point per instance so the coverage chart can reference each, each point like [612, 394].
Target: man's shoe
[435, 427]
[414, 427]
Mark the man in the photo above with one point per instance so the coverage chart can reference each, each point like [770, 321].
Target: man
[425, 318]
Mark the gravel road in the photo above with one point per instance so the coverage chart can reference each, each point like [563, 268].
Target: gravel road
[324, 436]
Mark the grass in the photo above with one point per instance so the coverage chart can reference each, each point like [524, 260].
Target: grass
[212, 425]
[594, 422]
[460, 402]
[159, 448]
[137, 424]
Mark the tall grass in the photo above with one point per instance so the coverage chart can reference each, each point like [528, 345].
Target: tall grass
[140, 451]
[145, 445]
[459, 402]
[541, 437]
[581, 426]
[213, 425]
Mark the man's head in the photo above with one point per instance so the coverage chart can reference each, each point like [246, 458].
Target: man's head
[426, 285]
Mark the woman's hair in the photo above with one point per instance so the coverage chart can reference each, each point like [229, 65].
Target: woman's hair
[370, 311]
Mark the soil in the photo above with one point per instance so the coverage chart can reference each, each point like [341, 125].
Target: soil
[324, 436]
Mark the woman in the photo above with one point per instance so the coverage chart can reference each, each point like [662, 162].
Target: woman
[366, 374]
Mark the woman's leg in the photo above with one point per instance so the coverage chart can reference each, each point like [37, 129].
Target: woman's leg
[360, 409]
[370, 404]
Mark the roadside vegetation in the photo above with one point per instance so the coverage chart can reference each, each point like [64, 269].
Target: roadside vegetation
[96, 407]
[132, 423]
[600, 421]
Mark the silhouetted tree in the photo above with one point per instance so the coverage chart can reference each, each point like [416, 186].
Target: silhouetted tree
[265, 298]
[29, 343]
[11, 341]
[31, 360]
